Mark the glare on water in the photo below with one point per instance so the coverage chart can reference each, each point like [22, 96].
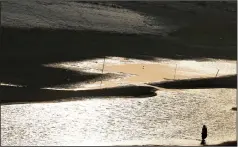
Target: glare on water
[171, 117]
[168, 116]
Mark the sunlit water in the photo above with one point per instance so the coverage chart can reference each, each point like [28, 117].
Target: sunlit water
[172, 117]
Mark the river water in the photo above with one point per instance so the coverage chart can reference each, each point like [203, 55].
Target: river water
[171, 117]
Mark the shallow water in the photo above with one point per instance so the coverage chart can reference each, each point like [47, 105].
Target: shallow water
[169, 117]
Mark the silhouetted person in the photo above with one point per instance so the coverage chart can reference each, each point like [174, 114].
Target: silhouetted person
[204, 134]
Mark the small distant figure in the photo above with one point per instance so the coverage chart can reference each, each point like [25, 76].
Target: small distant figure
[143, 67]
[204, 134]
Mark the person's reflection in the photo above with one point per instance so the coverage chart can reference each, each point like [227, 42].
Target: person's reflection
[204, 134]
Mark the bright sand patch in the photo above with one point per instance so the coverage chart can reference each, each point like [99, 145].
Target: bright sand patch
[151, 72]
[139, 72]
[145, 72]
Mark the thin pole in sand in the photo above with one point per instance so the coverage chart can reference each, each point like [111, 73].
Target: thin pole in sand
[0, 25]
[217, 72]
[102, 70]
[175, 72]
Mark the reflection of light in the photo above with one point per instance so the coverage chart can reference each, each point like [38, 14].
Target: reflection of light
[105, 121]
[10, 85]
[118, 121]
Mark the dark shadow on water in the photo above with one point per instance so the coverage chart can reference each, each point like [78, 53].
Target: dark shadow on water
[46, 46]
[37, 76]
[24, 95]
[216, 82]
[24, 51]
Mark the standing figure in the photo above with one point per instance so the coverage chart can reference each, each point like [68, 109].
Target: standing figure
[204, 134]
